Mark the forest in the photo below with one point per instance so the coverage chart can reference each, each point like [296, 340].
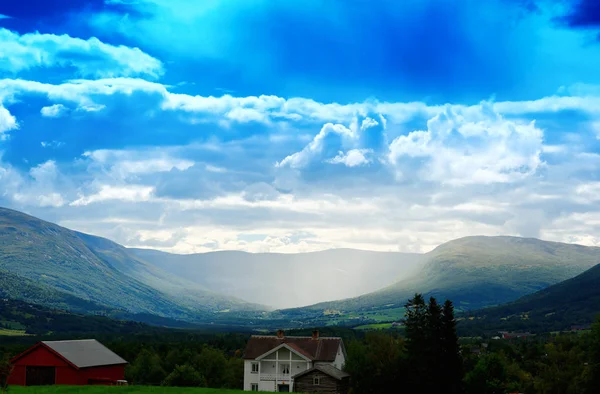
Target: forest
[379, 361]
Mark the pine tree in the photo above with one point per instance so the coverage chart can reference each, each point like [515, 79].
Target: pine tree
[417, 342]
[451, 358]
[434, 351]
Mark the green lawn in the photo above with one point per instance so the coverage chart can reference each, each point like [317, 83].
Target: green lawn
[116, 390]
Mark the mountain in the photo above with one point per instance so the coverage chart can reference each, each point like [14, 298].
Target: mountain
[558, 307]
[284, 280]
[476, 272]
[47, 264]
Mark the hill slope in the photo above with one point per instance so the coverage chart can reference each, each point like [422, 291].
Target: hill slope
[573, 301]
[479, 271]
[60, 265]
[284, 280]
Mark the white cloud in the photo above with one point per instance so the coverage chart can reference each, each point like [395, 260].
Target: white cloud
[7, 121]
[123, 164]
[352, 158]
[469, 147]
[89, 57]
[54, 111]
[128, 193]
[330, 135]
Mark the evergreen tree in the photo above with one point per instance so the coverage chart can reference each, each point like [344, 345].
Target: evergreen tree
[451, 359]
[435, 349]
[418, 342]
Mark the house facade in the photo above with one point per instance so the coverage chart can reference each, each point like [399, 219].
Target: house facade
[272, 362]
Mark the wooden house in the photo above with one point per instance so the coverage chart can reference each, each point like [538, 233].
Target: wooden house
[272, 362]
[322, 379]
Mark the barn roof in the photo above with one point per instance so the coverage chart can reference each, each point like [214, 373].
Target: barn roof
[327, 369]
[320, 349]
[84, 353]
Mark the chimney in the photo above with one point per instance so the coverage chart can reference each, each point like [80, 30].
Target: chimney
[280, 334]
[315, 334]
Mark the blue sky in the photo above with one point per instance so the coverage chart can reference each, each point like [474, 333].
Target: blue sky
[265, 125]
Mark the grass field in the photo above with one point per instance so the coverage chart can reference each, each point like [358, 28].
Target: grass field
[116, 390]
[12, 333]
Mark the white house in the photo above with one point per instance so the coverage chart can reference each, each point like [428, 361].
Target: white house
[271, 362]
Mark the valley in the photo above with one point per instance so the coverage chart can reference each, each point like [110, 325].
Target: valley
[48, 265]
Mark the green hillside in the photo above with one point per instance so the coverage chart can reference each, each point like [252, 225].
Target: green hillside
[25, 318]
[54, 266]
[474, 272]
[575, 301]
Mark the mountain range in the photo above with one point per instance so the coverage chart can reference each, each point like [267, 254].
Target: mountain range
[45, 264]
[476, 272]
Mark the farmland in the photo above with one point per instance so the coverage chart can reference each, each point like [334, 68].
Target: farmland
[11, 333]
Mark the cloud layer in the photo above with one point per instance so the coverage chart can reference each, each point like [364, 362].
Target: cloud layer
[287, 127]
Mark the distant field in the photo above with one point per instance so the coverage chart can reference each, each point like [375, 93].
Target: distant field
[116, 390]
[380, 326]
[12, 333]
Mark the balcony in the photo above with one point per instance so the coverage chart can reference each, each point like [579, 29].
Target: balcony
[273, 376]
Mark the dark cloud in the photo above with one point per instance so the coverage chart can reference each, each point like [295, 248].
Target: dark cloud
[583, 14]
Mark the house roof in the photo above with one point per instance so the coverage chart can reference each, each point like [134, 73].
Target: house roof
[80, 354]
[321, 349]
[293, 348]
[327, 369]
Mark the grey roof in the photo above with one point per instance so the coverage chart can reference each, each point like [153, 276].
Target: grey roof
[85, 353]
[327, 369]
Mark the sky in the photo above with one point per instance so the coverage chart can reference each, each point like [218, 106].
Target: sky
[294, 126]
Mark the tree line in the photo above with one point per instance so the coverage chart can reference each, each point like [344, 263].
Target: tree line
[426, 360]
[430, 358]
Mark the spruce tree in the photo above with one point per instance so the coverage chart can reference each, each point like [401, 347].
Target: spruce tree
[451, 358]
[417, 342]
[435, 348]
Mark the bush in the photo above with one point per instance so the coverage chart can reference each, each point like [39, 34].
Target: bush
[185, 376]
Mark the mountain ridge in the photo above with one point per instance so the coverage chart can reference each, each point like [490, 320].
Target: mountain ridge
[479, 271]
[97, 270]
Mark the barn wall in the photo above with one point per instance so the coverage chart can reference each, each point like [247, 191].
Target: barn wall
[115, 372]
[42, 357]
[65, 373]
[18, 376]
[304, 384]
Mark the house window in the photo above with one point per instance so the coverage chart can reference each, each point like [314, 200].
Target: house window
[254, 367]
[316, 380]
[254, 387]
[285, 369]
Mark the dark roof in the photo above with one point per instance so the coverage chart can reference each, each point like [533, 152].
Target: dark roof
[321, 349]
[327, 370]
[84, 353]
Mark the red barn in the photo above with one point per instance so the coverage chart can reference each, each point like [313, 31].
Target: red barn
[67, 362]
